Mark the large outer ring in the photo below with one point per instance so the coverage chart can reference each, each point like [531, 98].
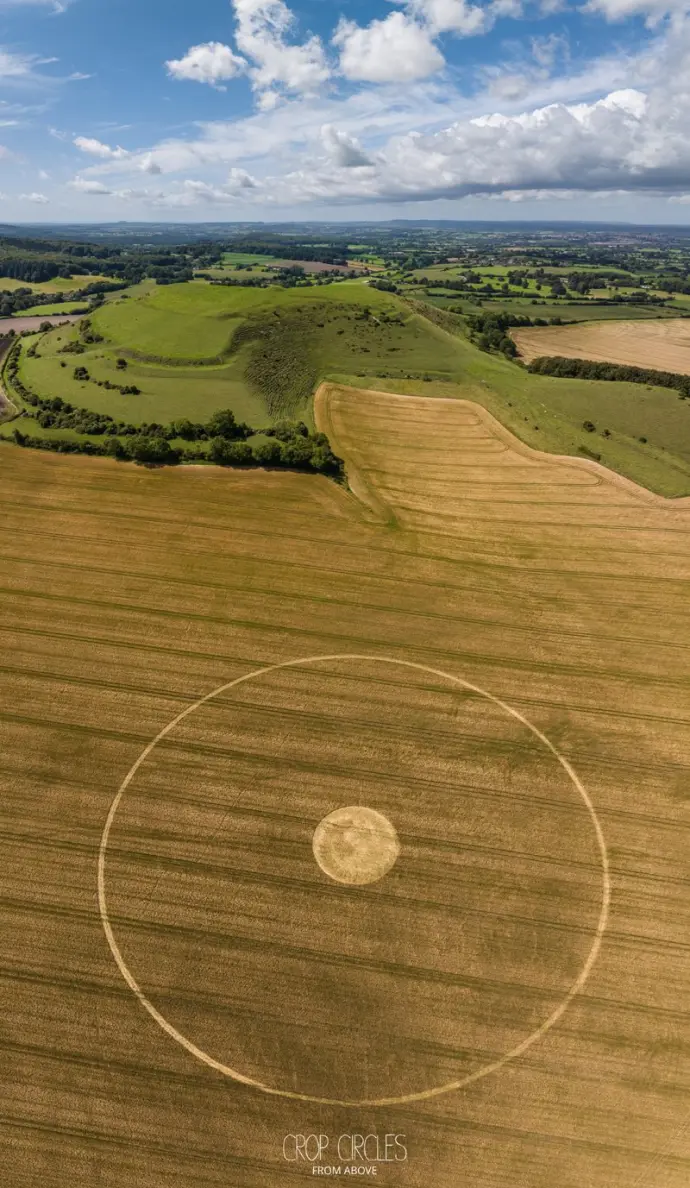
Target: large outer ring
[403, 1099]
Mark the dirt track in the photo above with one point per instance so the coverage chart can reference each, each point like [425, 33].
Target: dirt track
[128, 595]
[663, 345]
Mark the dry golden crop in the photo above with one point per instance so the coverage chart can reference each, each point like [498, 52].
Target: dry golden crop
[529, 943]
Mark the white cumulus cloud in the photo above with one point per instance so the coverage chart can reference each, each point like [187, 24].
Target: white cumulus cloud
[212, 63]
[96, 148]
[263, 28]
[396, 49]
[147, 164]
[40, 199]
[453, 16]
[626, 141]
[344, 151]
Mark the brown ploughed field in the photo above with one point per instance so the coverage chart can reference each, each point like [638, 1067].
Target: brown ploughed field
[490, 648]
[662, 345]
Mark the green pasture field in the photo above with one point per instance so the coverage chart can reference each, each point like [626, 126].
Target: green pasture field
[624, 291]
[230, 272]
[196, 322]
[193, 321]
[9, 284]
[167, 392]
[495, 269]
[441, 271]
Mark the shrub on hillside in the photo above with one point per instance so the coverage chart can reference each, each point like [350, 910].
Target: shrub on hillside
[223, 424]
[267, 453]
[151, 450]
[230, 453]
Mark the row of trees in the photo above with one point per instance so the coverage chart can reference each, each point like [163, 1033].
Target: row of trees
[563, 367]
[310, 452]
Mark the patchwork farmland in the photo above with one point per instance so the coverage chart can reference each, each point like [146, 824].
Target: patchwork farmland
[530, 944]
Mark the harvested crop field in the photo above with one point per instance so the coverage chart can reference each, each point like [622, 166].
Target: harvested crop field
[33, 322]
[528, 946]
[663, 345]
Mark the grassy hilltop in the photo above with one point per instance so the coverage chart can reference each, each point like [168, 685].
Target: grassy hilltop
[190, 350]
[193, 349]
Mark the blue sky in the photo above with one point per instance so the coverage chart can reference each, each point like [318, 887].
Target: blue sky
[273, 109]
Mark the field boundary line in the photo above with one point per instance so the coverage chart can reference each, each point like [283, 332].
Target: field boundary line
[357, 486]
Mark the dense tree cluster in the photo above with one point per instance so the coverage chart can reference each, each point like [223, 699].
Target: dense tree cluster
[38, 260]
[670, 284]
[489, 331]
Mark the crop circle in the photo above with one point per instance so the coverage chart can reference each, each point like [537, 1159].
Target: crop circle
[458, 1083]
[355, 845]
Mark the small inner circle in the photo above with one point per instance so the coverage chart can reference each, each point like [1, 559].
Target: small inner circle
[355, 845]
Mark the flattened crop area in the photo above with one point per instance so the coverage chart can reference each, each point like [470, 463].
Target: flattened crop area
[663, 345]
[242, 994]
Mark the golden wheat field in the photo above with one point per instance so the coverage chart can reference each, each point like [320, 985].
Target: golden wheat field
[486, 646]
[660, 345]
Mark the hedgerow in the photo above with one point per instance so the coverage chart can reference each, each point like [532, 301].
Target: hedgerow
[558, 365]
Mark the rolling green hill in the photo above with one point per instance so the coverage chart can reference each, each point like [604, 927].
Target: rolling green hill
[192, 349]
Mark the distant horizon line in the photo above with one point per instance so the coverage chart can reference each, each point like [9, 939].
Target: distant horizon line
[421, 222]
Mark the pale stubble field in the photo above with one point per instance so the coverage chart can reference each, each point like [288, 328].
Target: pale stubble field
[662, 345]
